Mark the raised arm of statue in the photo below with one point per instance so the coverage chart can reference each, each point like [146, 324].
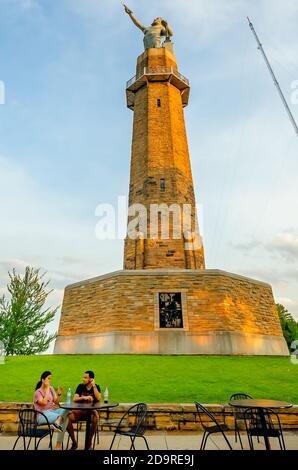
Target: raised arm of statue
[133, 18]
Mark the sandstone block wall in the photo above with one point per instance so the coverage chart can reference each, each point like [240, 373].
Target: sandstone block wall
[125, 301]
[161, 416]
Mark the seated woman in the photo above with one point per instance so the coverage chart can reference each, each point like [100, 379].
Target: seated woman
[47, 401]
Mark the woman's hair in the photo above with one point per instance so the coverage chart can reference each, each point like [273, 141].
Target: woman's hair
[44, 375]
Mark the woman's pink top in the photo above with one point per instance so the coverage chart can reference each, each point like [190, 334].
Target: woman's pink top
[39, 395]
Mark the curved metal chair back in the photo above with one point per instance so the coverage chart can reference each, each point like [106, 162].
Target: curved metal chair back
[137, 418]
[216, 427]
[201, 410]
[259, 423]
[239, 412]
[29, 427]
[28, 422]
[240, 396]
[254, 422]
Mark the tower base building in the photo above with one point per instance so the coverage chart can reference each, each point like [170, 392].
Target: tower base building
[129, 312]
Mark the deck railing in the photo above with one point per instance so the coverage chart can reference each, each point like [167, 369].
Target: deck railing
[158, 70]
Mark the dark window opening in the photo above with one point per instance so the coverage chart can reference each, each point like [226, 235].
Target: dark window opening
[162, 185]
[158, 103]
[170, 310]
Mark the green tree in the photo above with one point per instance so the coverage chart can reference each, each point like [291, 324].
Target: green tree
[23, 317]
[288, 324]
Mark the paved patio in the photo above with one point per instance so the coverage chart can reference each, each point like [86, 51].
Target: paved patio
[164, 441]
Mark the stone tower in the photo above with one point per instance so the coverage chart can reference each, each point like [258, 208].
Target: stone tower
[164, 301]
[160, 177]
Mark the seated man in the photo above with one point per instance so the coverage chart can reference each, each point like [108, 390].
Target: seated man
[86, 392]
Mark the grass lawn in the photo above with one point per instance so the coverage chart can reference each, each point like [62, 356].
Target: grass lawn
[157, 379]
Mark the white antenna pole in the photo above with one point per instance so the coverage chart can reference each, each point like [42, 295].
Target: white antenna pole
[260, 47]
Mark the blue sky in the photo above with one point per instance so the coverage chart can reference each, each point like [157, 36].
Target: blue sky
[65, 133]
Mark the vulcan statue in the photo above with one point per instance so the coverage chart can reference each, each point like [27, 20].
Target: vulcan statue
[152, 34]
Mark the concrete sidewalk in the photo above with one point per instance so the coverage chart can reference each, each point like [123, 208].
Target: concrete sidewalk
[163, 441]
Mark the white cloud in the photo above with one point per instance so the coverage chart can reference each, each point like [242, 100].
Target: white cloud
[248, 245]
[286, 244]
[44, 228]
[99, 10]
[24, 4]
[32, 8]
[287, 300]
[247, 178]
[204, 20]
[29, 4]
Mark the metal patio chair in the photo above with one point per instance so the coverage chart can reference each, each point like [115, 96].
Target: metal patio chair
[263, 423]
[136, 417]
[215, 427]
[30, 429]
[238, 413]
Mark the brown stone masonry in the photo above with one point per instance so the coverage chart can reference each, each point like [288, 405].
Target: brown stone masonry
[169, 417]
[160, 167]
[124, 301]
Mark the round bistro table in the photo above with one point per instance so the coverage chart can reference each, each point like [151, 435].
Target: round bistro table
[89, 407]
[261, 405]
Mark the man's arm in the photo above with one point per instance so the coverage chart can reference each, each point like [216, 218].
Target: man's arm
[97, 393]
[77, 398]
[133, 18]
[78, 395]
